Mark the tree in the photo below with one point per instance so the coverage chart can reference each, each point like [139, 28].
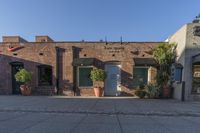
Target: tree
[165, 55]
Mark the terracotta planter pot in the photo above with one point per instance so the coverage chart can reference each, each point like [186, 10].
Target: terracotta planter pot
[98, 91]
[25, 90]
[167, 91]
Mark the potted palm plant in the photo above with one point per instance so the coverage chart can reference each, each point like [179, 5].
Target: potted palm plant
[165, 55]
[98, 77]
[24, 77]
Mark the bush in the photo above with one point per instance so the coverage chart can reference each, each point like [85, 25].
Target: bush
[23, 76]
[165, 55]
[98, 75]
[141, 86]
[140, 93]
[153, 91]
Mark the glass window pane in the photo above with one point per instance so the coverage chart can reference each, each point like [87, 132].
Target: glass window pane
[196, 79]
[84, 77]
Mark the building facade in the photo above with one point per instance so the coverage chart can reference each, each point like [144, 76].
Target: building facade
[187, 39]
[66, 66]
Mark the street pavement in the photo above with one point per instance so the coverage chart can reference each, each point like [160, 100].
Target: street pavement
[60, 114]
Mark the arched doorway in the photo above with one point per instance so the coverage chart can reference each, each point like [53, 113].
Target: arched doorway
[15, 67]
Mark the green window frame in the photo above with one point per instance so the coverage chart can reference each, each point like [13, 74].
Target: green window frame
[140, 75]
[84, 77]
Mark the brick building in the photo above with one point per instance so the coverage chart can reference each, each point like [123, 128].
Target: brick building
[67, 65]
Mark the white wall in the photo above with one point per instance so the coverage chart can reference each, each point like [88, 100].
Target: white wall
[180, 39]
[188, 45]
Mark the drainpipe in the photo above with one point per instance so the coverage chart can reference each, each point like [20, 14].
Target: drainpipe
[75, 55]
[57, 70]
[183, 91]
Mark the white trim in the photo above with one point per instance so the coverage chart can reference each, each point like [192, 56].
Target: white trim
[77, 76]
[149, 75]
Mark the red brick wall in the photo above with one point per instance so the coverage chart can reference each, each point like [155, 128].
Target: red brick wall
[29, 54]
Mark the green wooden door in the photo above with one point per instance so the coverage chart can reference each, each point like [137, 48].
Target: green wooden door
[140, 75]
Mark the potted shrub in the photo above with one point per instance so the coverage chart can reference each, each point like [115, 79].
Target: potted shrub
[24, 77]
[140, 92]
[98, 76]
[165, 55]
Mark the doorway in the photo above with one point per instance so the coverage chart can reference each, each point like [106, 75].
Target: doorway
[15, 67]
[113, 80]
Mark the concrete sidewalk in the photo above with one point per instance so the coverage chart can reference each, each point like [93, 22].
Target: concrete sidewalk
[92, 105]
[40, 114]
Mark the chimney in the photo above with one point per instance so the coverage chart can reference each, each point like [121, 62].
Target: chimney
[14, 39]
[43, 39]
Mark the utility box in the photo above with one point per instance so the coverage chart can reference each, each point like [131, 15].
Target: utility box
[176, 72]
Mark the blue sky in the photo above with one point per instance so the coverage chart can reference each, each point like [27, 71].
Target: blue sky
[92, 20]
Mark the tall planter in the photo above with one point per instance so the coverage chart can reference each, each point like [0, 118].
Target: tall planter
[167, 91]
[98, 76]
[25, 90]
[165, 80]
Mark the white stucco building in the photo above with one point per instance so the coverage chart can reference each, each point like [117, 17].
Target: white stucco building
[187, 39]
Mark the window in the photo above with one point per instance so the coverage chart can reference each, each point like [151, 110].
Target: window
[140, 75]
[196, 31]
[44, 75]
[196, 78]
[176, 72]
[84, 77]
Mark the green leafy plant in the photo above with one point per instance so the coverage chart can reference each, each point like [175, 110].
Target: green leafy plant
[23, 76]
[165, 55]
[152, 91]
[98, 75]
[141, 85]
[141, 92]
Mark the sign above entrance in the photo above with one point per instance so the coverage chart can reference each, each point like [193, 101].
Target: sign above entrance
[115, 49]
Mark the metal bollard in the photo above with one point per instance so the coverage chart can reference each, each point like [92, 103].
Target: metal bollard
[183, 91]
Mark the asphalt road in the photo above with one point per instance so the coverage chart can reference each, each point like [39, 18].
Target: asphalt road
[40, 114]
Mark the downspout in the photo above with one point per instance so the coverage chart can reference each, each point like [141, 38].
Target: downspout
[74, 71]
[57, 70]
